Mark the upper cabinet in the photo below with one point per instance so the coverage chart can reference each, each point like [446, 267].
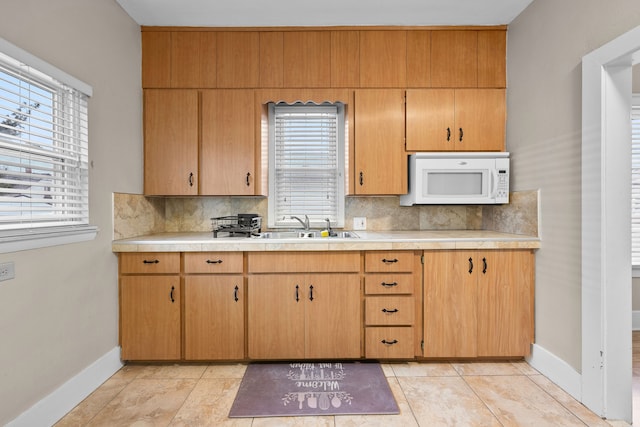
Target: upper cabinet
[383, 59]
[238, 59]
[307, 59]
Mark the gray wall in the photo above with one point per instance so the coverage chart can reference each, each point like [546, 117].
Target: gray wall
[545, 47]
[60, 313]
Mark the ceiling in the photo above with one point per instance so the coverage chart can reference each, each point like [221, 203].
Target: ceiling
[265, 13]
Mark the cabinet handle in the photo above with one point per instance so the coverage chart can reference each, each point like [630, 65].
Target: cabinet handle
[297, 293]
[235, 293]
[217, 261]
[248, 176]
[311, 293]
[470, 265]
[361, 178]
[448, 134]
[484, 266]
[389, 285]
[391, 311]
[191, 179]
[389, 261]
[152, 261]
[461, 134]
[171, 294]
[389, 342]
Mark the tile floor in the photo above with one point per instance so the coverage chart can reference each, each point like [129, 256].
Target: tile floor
[428, 394]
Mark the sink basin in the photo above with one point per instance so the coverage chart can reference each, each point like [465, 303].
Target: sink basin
[312, 234]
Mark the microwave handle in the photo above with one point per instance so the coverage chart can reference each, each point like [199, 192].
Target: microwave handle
[494, 183]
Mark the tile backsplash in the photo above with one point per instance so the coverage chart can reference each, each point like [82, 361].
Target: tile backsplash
[136, 215]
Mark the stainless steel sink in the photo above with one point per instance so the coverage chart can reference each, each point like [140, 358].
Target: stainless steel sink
[311, 234]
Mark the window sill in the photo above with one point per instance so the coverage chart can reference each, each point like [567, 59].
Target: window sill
[635, 271]
[34, 239]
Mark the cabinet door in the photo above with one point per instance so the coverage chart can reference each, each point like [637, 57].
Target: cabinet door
[505, 303]
[383, 58]
[276, 316]
[450, 300]
[238, 59]
[214, 317]
[492, 58]
[193, 59]
[480, 119]
[454, 58]
[156, 59]
[418, 58]
[332, 316]
[307, 59]
[227, 165]
[170, 142]
[380, 161]
[430, 120]
[150, 317]
[345, 59]
[271, 59]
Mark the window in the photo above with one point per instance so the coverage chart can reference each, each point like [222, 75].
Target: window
[306, 164]
[635, 185]
[44, 176]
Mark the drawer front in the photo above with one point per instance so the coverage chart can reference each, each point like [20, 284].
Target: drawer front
[388, 261]
[150, 263]
[304, 262]
[389, 343]
[213, 262]
[390, 310]
[375, 284]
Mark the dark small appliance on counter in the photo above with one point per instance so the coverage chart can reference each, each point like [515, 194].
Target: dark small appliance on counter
[247, 224]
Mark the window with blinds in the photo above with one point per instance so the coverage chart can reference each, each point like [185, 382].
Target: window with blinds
[306, 164]
[43, 151]
[635, 182]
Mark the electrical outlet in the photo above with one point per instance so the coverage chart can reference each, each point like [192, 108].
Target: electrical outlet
[7, 271]
[360, 223]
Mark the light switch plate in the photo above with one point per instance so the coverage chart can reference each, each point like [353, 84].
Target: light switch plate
[360, 223]
[7, 271]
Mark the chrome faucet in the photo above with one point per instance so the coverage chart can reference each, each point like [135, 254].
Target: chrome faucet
[304, 223]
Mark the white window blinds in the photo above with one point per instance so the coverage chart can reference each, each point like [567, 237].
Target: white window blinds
[306, 169]
[43, 150]
[635, 182]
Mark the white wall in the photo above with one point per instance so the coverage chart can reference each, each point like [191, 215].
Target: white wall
[545, 46]
[60, 313]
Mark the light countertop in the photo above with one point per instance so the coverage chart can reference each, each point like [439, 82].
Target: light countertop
[368, 240]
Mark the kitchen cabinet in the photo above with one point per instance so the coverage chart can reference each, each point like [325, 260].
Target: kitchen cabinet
[454, 58]
[390, 304]
[149, 296]
[214, 300]
[380, 160]
[418, 58]
[492, 59]
[345, 59]
[383, 59]
[304, 305]
[455, 119]
[307, 59]
[199, 142]
[228, 151]
[238, 59]
[271, 59]
[156, 59]
[171, 119]
[478, 303]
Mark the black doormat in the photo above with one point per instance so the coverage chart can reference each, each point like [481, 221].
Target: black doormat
[299, 389]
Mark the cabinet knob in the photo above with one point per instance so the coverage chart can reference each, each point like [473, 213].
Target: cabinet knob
[235, 293]
[448, 134]
[470, 265]
[361, 178]
[191, 179]
[248, 179]
[173, 288]
[150, 261]
[484, 266]
[390, 311]
[389, 285]
[461, 134]
[389, 261]
[215, 261]
[392, 342]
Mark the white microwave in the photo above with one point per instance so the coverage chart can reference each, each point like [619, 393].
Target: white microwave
[446, 178]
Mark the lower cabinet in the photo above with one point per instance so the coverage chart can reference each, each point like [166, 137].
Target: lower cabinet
[150, 306]
[478, 303]
[308, 315]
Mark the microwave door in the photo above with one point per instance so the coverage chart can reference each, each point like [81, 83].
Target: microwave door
[450, 186]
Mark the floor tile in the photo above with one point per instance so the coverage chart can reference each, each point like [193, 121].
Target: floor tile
[225, 371]
[145, 402]
[518, 401]
[431, 369]
[94, 403]
[209, 404]
[445, 401]
[294, 422]
[174, 371]
[405, 418]
[486, 368]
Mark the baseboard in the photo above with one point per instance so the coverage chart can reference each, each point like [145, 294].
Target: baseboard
[54, 406]
[557, 370]
[635, 320]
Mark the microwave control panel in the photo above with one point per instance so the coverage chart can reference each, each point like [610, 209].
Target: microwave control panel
[502, 192]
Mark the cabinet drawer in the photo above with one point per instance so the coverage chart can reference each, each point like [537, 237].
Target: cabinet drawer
[389, 343]
[388, 284]
[150, 262]
[213, 262]
[388, 261]
[389, 310]
[304, 262]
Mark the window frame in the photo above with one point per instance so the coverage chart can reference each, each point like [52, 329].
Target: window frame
[635, 115]
[314, 221]
[24, 238]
